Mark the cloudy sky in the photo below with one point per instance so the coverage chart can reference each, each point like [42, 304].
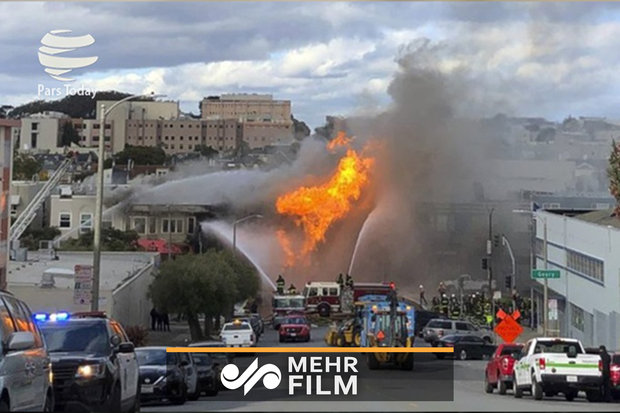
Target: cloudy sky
[338, 58]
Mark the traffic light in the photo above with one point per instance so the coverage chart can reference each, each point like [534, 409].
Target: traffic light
[508, 281]
[496, 240]
[485, 263]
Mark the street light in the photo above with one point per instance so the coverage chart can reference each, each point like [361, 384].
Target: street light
[94, 305]
[240, 220]
[546, 263]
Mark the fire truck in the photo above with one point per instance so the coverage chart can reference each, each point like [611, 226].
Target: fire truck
[285, 305]
[327, 298]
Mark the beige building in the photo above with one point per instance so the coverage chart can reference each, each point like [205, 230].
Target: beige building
[89, 133]
[246, 108]
[41, 132]
[135, 110]
[261, 134]
[174, 223]
[22, 192]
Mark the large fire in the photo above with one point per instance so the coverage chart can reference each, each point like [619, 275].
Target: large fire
[341, 139]
[316, 208]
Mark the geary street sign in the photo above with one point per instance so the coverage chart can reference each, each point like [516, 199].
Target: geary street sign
[545, 273]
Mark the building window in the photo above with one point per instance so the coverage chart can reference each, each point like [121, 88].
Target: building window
[64, 220]
[586, 265]
[577, 317]
[35, 126]
[33, 140]
[86, 222]
[139, 225]
[174, 225]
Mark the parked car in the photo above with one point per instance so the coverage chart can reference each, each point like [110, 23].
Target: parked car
[220, 360]
[550, 365]
[499, 371]
[423, 317]
[162, 375]
[207, 375]
[23, 345]
[93, 362]
[238, 334]
[438, 328]
[465, 347]
[615, 375]
[294, 328]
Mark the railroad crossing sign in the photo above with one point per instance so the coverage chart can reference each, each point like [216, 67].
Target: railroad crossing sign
[508, 329]
[545, 273]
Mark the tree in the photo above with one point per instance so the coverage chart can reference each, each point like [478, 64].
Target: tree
[614, 175]
[25, 166]
[31, 237]
[111, 240]
[206, 151]
[139, 155]
[5, 110]
[209, 284]
[69, 134]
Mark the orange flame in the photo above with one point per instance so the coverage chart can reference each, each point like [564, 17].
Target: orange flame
[285, 243]
[340, 140]
[318, 207]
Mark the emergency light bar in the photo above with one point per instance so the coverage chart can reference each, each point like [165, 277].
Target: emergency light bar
[42, 317]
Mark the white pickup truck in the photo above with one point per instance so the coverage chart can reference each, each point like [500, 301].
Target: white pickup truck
[238, 334]
[548, 366]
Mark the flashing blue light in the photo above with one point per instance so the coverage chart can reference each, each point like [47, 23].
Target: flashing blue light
[43, 317]
[62, 316]
[40, 317]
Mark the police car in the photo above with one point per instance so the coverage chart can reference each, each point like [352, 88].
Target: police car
[93, 362]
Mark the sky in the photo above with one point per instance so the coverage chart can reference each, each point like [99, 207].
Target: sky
[328, 58]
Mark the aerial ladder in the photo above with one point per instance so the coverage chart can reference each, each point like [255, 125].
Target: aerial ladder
[27, 216]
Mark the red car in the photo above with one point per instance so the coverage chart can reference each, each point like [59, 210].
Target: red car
[498, 373]
[615, 375]
[294, 328]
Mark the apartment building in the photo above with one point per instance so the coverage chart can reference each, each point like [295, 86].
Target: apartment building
[41, 132]
[246, 107]
[135, 110]
[6, 158]
[89, 132]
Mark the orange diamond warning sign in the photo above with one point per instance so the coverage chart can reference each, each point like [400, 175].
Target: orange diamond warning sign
[508, 329]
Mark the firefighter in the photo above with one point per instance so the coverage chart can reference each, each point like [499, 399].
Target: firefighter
[423, 301]
[435, 304]
[340, 280]
[455, 307]
[441, 289]
[445, 304]
[488, 310]
[349, 281]
[291, 289]
[280, 284]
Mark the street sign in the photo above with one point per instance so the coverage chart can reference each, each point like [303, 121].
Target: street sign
[508, 329]
[497, 295]
[545, 273]
[83, 284]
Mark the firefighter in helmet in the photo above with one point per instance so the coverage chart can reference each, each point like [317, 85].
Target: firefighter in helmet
[280, 284]
[445, 305]
[435, 304]
[292, 290]
[340, 280]
[455, 307]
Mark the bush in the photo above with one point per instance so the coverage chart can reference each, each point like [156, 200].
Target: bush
[138, 335]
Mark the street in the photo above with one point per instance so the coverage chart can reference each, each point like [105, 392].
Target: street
[468, 390]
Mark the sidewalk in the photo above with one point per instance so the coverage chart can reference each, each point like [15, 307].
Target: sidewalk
[177, 336]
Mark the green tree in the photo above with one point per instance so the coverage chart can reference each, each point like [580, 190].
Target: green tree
[25, 166]
[206, 151]
[69, 134]
[31, 237]
[209, 284]
[613, 171]
[139, 155]
[111, 240]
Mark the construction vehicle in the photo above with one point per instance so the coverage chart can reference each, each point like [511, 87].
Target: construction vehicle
[388, 323]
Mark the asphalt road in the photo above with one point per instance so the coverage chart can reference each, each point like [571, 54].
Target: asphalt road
[468, 393]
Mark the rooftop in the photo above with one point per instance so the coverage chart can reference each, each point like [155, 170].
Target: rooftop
[116, 267]
[603, 217]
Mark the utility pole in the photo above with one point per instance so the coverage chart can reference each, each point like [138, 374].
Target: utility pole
[546, 288]
[489, 254]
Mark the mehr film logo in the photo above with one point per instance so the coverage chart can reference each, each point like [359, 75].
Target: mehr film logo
[304, 373]
[53, 56]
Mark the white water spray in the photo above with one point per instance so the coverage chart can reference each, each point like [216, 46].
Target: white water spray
[223, 232]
